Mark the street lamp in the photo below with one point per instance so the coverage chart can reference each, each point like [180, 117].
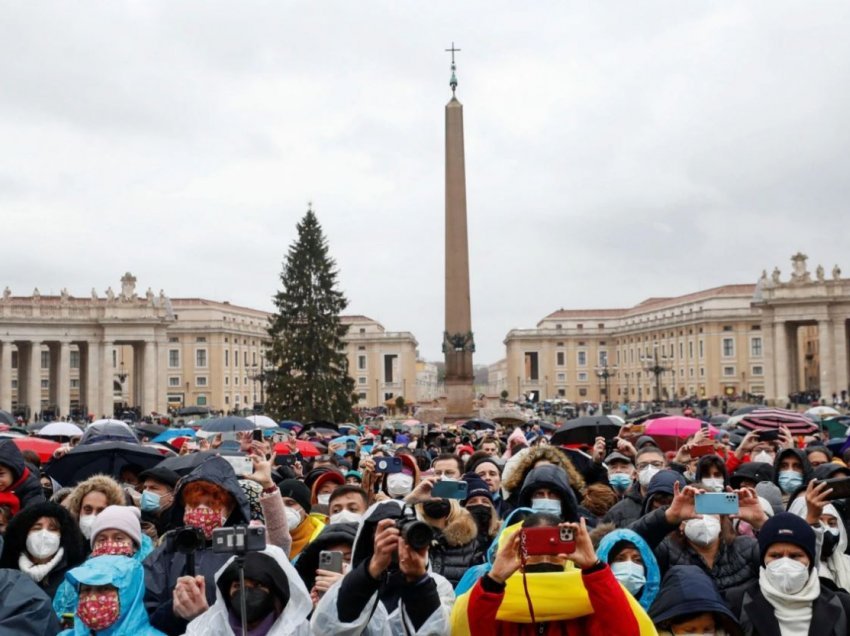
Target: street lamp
[655, 369]
[604, 373]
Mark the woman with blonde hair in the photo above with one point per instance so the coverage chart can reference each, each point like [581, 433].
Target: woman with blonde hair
[456, 544]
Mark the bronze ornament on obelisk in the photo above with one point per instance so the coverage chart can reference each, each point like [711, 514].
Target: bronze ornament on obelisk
[458, 341]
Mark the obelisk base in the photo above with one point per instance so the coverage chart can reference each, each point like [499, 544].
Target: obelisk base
[460, 395]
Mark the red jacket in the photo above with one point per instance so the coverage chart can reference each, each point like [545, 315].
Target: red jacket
[612, 613]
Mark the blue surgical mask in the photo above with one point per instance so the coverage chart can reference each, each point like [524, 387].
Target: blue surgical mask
[789, 481]
[552, 506]
[630, 574]
[619, 481]
[149, 502]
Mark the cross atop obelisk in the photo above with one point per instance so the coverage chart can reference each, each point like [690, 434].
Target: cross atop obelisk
[458, 342]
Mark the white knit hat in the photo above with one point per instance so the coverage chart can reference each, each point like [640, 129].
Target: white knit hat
[123, 518]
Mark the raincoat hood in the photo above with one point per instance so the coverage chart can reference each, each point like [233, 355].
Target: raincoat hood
[215, 470]
[687, 589]
[662, 483]
[125, 574]
[10, 456]
[808, 473]
[650, 563]
[555, 478]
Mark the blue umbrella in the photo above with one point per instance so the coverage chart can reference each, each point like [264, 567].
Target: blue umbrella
[291, 424]
[172, 433]
[228, 424]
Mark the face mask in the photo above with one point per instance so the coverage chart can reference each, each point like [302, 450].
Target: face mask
[646, 475]
[204, 518]
[787, 575]
[619, 481]
[43, 543]
[399, 484]
[630, 574]
[789, 481]
[543, 567]
[464, 458]
[86, 524]
[258, 604]
[552, 506]
[115, 548]
[703, 532]
[764, 457]
[324, 499]
[437, 508]
[712, 484]
[830, 540]
[98, 610]
[835, 532]
[48, 492]
[482, 515]
[150, 501]
[690, 475]
[346, 516]
[293, 518]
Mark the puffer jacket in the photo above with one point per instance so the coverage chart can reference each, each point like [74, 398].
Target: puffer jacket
[736, 563]
[627, 510]
[456, 548]
[165, 564]
[26, 485]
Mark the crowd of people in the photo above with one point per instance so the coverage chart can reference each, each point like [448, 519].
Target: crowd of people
[433, 530]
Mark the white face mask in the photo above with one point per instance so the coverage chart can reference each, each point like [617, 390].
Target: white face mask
[293, 518]
[399, 484]
[646, 475]
[764, 457]
[324, 499]
[703, 532]
[43, 543]
[630, 574]
[787, 575]
[346, 516]
[86, 524]
[712, 484]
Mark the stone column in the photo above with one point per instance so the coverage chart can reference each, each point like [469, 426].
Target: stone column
[93, 359]
[162, 376]
[781, 360]
[63, 378]
[33, 380]
[107, 376]
[149, 384]
[839, 330]
[6, 376]
[826, 359]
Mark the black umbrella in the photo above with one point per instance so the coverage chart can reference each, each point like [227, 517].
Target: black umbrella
[546, 426]
[228, 424]
[321, 425]
[37, 426]
[106, 458]
[745, 409]
[193, 410]
[479, 424]
[185, 464]
[108, 431]
[6, 418]
[585, 430]
[149, 428]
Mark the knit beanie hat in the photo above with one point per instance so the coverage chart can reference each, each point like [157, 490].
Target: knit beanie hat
[787, 528]
[476, 487]
[123, 518]
[298, 491]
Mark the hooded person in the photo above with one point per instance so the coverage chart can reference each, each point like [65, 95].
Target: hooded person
[276, 601]
[660, 490]
[382, 595]
[399, 485]
[207, 498]
[303, 527]
[44, 542]
[25, 609]
[688, 603]
[788, 598]
[111, 594]
[19, 483]
[633, 564]
[334, 537]
[546, 489]
[833, 564]
[792, 471]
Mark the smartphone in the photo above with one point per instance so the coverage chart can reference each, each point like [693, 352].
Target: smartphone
[330, 560]
[610, 446]
[287, 460]
[450, 490]
[716, 503]
[351, 445]
[769, 435]
[840, 487]
[701, 450]
[548, 540]
[388, 465]
[257, 435]
[241, 465]
[704, 425]
[637, 429]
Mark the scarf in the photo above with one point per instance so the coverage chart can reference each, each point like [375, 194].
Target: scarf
[301, 536]
[38, 571]
[793, 611]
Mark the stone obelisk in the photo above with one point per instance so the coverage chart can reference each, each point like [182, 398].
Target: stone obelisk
[458, 342]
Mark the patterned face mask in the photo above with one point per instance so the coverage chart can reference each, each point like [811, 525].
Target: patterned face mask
[117, 548]
[203, 518]
[98, 610]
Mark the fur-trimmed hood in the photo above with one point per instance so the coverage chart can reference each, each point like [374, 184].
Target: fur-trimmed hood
[461, 530]
[96, 483]
[512, 480]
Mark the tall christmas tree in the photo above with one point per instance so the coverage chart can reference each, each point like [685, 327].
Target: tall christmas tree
[309, 377]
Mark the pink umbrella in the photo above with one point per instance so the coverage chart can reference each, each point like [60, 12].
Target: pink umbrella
[669, 431]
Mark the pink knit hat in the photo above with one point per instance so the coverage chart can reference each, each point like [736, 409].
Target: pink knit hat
[123, 518]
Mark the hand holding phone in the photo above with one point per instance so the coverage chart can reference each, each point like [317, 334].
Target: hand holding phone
[716, 503]
[547, 540]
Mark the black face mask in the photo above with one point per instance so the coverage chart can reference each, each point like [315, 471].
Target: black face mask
[543, 567]
[829, 543]
[437, 508]
[482, 513]
[258, 604]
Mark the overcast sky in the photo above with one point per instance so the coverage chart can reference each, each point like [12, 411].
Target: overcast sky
[614, 150]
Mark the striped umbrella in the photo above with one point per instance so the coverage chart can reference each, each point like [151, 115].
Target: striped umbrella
[768, 419]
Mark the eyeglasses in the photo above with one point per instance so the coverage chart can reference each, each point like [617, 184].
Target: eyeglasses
[655, 464]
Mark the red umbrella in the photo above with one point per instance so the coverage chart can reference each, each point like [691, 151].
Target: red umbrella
[668, 432]
[43, 447]
[307, 449]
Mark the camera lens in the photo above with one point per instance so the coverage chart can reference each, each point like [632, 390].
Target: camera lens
[416, 534]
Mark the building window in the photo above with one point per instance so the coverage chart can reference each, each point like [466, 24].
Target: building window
[362, 330]
[701, 349]
[174, 380]
[728, 371]
[562, 392]
[201, 400]
[226, 380]
[361, 396]
[560, 358]
[681, 350]
[691, 372]
[14, 384]
[559, 344]
[226, 358]
[201, 339]
[755, 348]
[75, 359]
[727, 327]
[361, 380]
[246, 358]
[702, 372]
[758, 370]
[390, 365]
[690, 348]
[728, 347]
[75, 384]
[45, 384]
[582, 392]
[227, 399]
[174, 358]
[175, 339]
[361, 362]
[579, 326]
[582, 376]
[562, 377]
[581, 358]
[236, 379]
[603, 358]
[532, 371]
[45, 360]
[201, 380]
[201, 358]
[559, 326]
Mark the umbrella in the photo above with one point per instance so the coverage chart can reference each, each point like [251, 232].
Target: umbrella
[108, 430]
[765, 418]
[107, 458]
[60, 429]
[322, 425]
[307, 449]
[410, 422]
[149, 428]
[185, 464]
[677, 426]
[719, 419]
[616, 419]
[546, 426]
[585, 430]
[193, 410]
[37, 426]
[837, 426]
[746, 409]
[479, 424]
[6, 418]
[262, 421]
[291, 424]
[822, 412]
[228, 424]
[43, 447]
[172, 433]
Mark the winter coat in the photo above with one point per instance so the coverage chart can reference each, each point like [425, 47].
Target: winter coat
[165, 565]
[830, 612]
[736, 563]
[628, 510]
[456, 548]
[358, 605]
[26, 485]
[653, 573]
[25, 608]
[292, 621]
[554, 478]
[125, 574]
[688, 590]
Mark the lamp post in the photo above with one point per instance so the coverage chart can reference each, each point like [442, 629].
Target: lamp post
[604, 373]
[657, 370]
